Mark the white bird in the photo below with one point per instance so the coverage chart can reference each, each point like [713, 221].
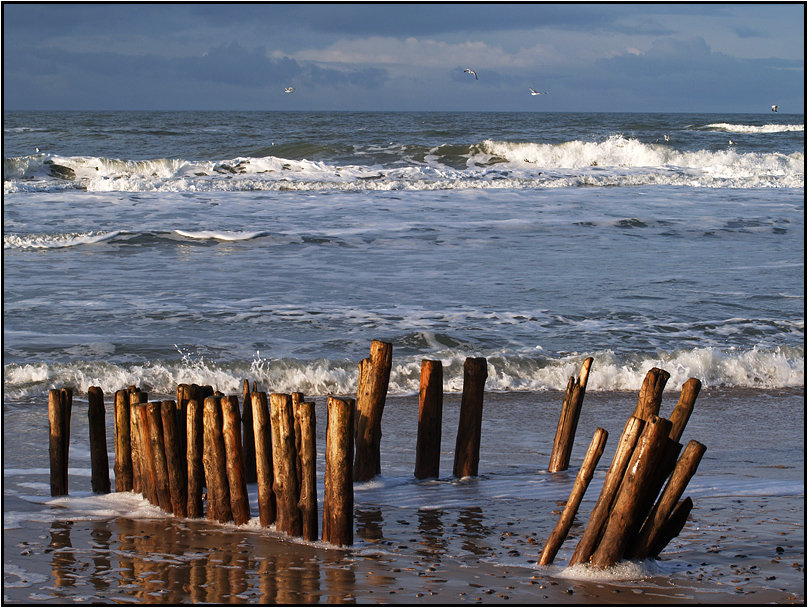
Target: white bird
[774, 108]
[731, 143]
[535, 92]
[290, 89]
[667, 137]
[471, 72]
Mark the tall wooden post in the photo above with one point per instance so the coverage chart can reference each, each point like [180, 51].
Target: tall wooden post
[99, 459]
[136, 398]
[154, 411]
[194, 447]
[249, 435]
[651, 393]
[469, 432]
[582, 480]
[338, 497]
[568, 421]
[307, 456]
[370, 400]
[218, 508]
[231, 431]
[267, 505]
[430, 419]
[284, 460]
[684, 408]
[123, 443]
[148, 474]
[60, 402]
[177, 487]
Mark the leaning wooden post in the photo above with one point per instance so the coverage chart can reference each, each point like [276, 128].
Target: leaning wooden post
[284, 460]
[625, 517]
[657, 520]
[218, 508]
[370, 400]
[177, 487]
[99, 460]
[469, 432]
[430, 419]
[231, 431]
[651, 393]
[57, 445]
[568, 421]
[672, 527]
[611, 484]
[684, 408]
[582, 480]
[248, 441]
[194, 447]
[267, 509]
[123, 443]
[338, 498]
[154, 411]
[307, 456]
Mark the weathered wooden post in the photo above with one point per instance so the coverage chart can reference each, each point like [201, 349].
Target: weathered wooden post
[626, 516]
[338, 497]
[307, 456]
[194, 447]
[374, 378]
[284, 460]
[582, 480]
[568, 421]
[218, 508]
[267, 505]
[60, 404]
[672, 527]
[138, 463]
[469, 432]
[651, 393]
[611, 484]
[231, 431]
[99, 460]
[177, 487]
[297, 399]
[123, 443]
[684, 408]
[148, 474]
[430, 419]
[154, 411]
[249, 435]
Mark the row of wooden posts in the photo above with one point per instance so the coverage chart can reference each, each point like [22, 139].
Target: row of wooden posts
[174, 451]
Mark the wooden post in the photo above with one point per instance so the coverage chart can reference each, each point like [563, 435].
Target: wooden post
[99, 459]
[267, 507]
[611, 484]
[684, 408]
[177, 487]
[154, 411]
[582, 480]
[297, 399]
[338, 498]
[651, 393]
[430, 419]
[657, 520]
[195, 447]
[185, 393]
[231, 431]
[568, 421]
[672, 527]
[370, 400]
[307, 456]
[284, 460]
[59, 439]
[138, 471]
[626, 516]
[248, 443]
[218, 508]
[148, 474]
[123, 443]
[469, 432]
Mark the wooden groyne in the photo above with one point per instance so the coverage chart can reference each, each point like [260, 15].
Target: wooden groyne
[195, 456]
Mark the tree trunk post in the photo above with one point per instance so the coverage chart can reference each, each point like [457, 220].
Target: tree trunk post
[684, 408]
[58, 440]
[651, 393]
[154, 411]
[136, 398]
[338, 499]
[249, 435]
[370, 400]
[195, 447]
[177, 487]
[284, 461]
[99, 459]
[231, 431]
[568, 421]
[123, 443]
[307, 456]
[218, 508]
[467, 446]
[430, 419]
[148, 474]
[267, 505]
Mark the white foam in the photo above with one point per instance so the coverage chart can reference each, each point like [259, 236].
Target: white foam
[770, 128]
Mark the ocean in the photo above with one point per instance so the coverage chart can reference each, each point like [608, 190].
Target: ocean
[157, 248]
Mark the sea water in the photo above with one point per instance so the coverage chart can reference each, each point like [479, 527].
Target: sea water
[151, 249]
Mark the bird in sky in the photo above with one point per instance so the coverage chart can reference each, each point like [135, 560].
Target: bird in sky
[774, 108]
[290, 89]
[471, 72]
[535, 92]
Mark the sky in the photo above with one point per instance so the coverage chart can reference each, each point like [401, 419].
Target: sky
[658, 57]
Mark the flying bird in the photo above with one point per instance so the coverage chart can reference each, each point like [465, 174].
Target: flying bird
[471, 72]
[774, 108]
[535, 92]
[290, 89]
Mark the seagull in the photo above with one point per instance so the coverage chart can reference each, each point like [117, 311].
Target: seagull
[667, 137]
[471, 72]
[290, 89]
[535, 92]
[731, 143]
[774, 108]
